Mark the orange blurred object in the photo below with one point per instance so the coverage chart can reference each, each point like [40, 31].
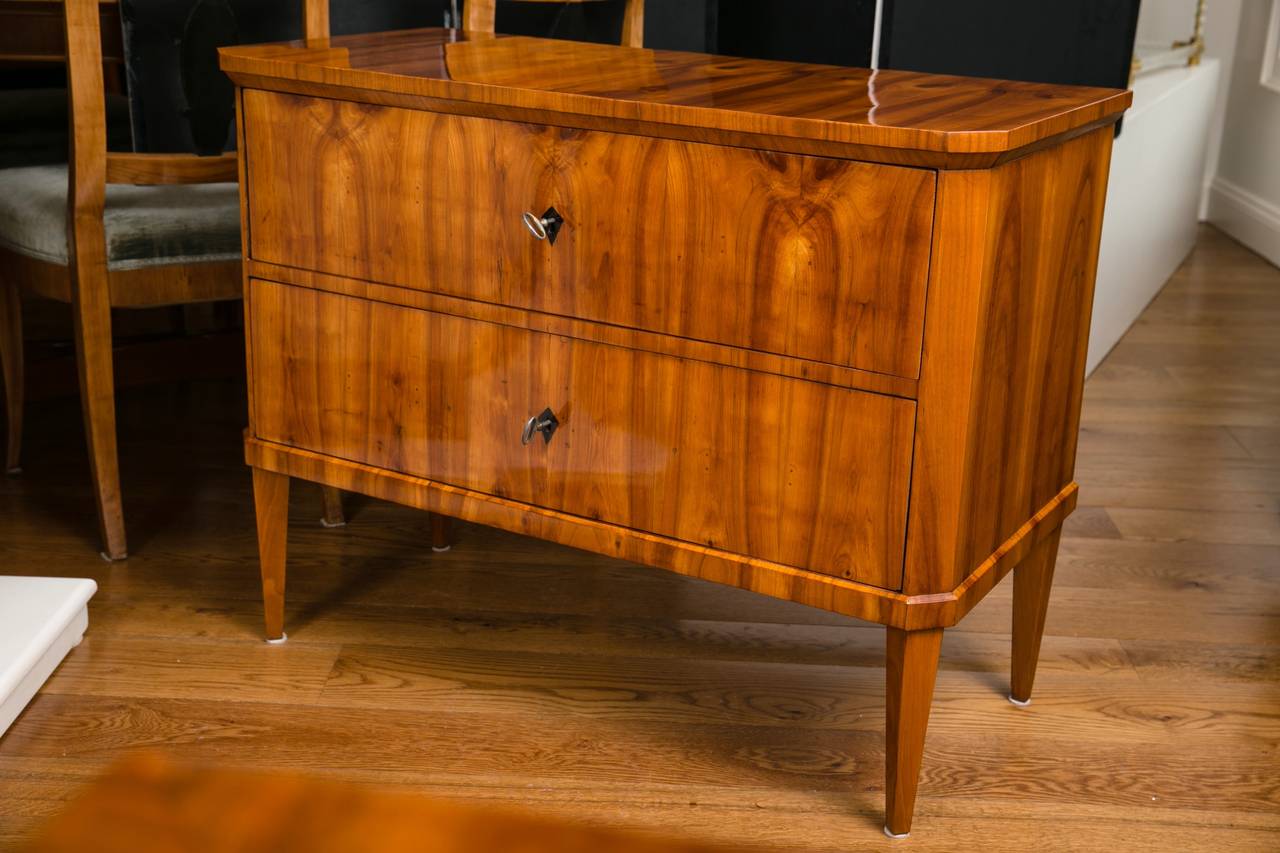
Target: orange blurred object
[147, 804]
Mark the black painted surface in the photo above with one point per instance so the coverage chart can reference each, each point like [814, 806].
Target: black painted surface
[1083, 42]
[832, 32]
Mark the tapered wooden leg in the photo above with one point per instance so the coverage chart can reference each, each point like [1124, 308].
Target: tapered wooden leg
[333, 514]
[11, 369]
[92, 316]
[271, 503]
[911, 667]
[441, 532]
[1032, 580]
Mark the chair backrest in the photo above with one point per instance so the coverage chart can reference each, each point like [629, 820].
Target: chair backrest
[479, 16]
[179, 100]
[90, 166]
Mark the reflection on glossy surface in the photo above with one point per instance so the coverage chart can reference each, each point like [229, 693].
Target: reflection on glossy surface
[780, 469]
[728, 245]
[712, 91]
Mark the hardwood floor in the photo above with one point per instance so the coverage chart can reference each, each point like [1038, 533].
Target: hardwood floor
[517, 671]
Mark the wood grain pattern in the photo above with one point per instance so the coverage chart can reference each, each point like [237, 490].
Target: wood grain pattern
[892, 110]
[315, 19]
[517, 671]
[87, 268]
[837, 595]
[783, 470]
[133, 168]
[145, 287]
[149, 804]
[604, 333]
[1032, 582]
[910, 669]
[1011, 289]
[820, 259]
[271, 507]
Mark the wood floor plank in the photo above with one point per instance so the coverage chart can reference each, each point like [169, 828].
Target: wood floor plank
[1173, 525]
[1177, 440]
[195, 669]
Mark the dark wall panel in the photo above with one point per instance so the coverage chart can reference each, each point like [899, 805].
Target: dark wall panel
[834, 32]
[1085, 42]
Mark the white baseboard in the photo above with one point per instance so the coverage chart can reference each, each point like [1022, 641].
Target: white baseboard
[1249, 218]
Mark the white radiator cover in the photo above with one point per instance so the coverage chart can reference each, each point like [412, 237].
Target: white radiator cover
[41, 620]
[1153, 196]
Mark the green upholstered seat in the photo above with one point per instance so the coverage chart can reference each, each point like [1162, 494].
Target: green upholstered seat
[145, 226]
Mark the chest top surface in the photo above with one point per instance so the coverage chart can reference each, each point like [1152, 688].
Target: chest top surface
[856, 106]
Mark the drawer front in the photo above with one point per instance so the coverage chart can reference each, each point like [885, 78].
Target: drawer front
[782, 469]
[805, 256]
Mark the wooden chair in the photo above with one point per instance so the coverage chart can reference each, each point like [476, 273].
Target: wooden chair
[70, 233]
[111, 230]
[479, 15]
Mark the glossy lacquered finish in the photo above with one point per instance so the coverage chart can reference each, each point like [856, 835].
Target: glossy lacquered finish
[814, 257]
[785, 470]
[760, 350]
[895, 111]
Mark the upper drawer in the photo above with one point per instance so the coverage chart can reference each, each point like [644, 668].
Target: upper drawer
[786, 470]
[806, 256]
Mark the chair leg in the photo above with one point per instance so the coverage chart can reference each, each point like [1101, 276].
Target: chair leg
[333, 514]
[271, 504]
[911, 667]
[11, 368]
[441, 532]
[97, 401]
[1032, 580]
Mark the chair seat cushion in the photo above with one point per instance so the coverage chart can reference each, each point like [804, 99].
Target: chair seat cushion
[145, 226]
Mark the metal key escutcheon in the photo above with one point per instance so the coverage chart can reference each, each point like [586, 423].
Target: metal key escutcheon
[546, 226]
[544, 423]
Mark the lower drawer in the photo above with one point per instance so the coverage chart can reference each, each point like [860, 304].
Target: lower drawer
[781, 469]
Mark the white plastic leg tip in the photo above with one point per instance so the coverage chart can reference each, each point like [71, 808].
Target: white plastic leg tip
[443, 550]
[279, 641]
[1020, 704]
[15, 470]
[110, 559]
[324, 522]
[888, 832]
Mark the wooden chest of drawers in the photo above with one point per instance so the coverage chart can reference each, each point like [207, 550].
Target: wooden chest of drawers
[814, 332]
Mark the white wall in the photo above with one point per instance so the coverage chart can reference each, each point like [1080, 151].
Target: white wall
[1165, 169]
[1153, 196]
[1162, 22]
[1244, 196]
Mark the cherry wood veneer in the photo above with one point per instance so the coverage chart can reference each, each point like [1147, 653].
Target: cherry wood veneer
[889, 116]
[817, 333]
[789, 471]
[772, 252]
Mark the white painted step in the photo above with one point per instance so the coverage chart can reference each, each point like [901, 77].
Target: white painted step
[41, 620]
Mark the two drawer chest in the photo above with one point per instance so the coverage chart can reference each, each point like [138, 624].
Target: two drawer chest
[814, 332]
